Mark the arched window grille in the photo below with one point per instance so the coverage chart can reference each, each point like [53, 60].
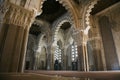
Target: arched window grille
[74, 52]
[57, 55]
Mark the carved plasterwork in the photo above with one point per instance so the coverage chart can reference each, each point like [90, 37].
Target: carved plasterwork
[81, 33]
[88, 11]
[58, 23]
[73, 11]
[19, 16]
[70, 7]
[88, 24]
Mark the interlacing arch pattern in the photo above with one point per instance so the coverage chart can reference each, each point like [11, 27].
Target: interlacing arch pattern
[72, 10]
[44, 30]
[64, 4]
[60, 1]
[71, 15]
[89, 10]
[41, 5]
[78, 34]
[58, 23]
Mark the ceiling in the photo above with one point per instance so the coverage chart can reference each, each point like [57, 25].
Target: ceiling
[52, 10]
[103, 4]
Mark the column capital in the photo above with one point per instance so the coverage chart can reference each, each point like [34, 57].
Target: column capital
[19, 16]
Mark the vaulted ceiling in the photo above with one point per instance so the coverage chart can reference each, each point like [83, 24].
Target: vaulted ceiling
[103, 4]
[52, 10]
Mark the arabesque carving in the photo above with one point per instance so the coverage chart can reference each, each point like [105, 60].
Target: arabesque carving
[19, 16]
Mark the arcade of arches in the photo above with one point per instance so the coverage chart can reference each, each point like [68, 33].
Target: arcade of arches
[78, 35]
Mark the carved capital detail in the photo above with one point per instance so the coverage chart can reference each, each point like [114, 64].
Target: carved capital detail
[19, 16]
[58, 23]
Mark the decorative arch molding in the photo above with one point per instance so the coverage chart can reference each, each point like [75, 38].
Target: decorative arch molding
[41, 42]
[85, 14]
[41, 23]
[58, 23]
[41, 5]
[60, 38]
[70, 7]
[72, 10]
[91, 5]
[82, 33]
[45, 31]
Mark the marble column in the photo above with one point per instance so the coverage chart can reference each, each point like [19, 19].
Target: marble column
[98, 55]
[80, 58]
[69, 58]
[64, 52]
[50, 61]
[78, 37]
[85, 52]
[85, 57]
[50, 57]
[23, 50]
[17, 20]
[108, 43]
[98, 59]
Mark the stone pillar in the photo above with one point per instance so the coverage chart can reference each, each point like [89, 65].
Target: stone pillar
[69, 58]
[17, 20]
[98, 55]
[81, 39]
[50, 57]
[62, 59]
[80, 58]
[98, 59]
[85, 57]
[108, 43]
[63, 51]
[51, 61]
[23, 50]
[85, 52]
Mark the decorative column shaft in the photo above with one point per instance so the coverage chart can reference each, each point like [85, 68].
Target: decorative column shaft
[85, 52]
[81, 39]
[112, 62]
[64, 52]
[17, 20]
